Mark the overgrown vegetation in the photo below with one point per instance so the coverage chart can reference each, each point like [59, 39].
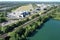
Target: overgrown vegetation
[3, 17]
[56, 14]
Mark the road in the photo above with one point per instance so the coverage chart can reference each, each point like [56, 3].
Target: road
[8, 22]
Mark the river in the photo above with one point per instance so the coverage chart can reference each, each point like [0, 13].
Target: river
[49, 31]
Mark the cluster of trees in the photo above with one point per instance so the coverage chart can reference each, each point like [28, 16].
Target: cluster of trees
[22, 33]
[2, 17]
[10, 27]
[35, 16]
[55, 14]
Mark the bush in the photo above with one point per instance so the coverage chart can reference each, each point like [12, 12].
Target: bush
[2, 19]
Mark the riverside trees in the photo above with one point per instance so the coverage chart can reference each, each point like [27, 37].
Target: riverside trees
[21, 32]
[56, 14]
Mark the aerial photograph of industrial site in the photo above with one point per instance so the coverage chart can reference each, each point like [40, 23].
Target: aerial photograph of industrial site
[29, 20]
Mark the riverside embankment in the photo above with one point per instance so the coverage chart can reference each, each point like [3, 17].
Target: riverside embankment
[29, 27]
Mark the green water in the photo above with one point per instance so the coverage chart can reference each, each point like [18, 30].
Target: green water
[49, 31]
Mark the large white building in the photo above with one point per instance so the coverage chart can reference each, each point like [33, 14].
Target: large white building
[14, 15]
[21, 12]
[17, 15]
[43, 6]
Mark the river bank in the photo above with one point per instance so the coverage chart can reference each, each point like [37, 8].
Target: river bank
[50, 17]
[49, 31]
[22, 32]
[25, 32]
[56, 14]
